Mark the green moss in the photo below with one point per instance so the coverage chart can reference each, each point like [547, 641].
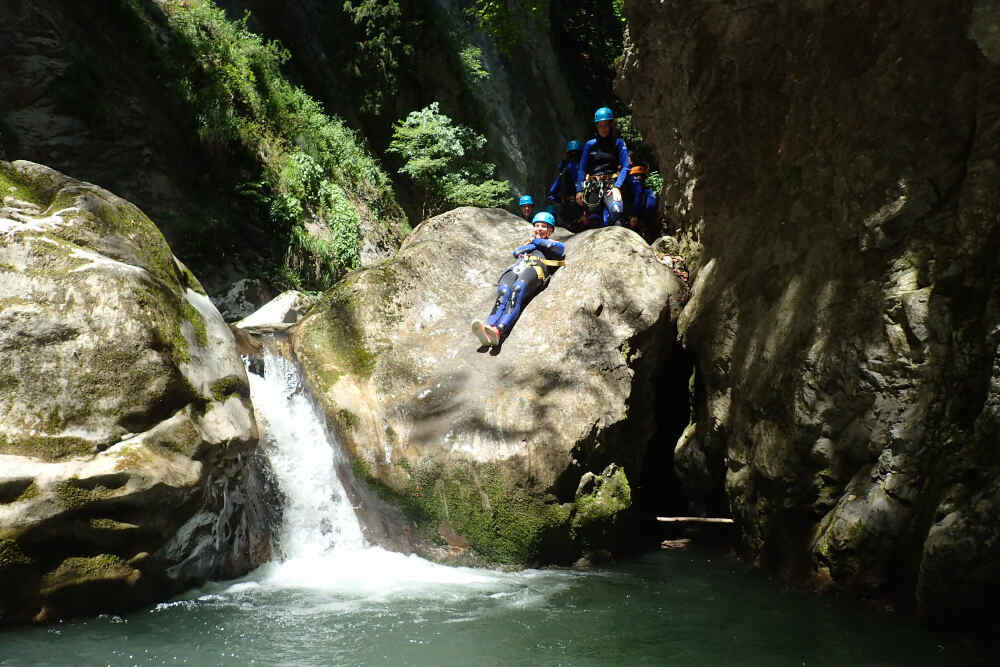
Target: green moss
[47, 448]
[133, 457]
[73, 497]
[12, 556]
[110, 524]
[331, 339]
[503, 525]
[31, 492]
[347, 419]
[76, 570]
[192, 315]
[14, 184]
[227, 386]
[166, 316]
[595, 513]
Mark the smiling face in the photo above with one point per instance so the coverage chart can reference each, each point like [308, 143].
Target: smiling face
[604, 128]
[542, 230]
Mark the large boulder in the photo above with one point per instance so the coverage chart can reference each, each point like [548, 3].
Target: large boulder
[520, 456]
[127, 438]
[838, 164]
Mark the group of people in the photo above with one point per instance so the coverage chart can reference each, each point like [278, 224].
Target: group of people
[596, 186]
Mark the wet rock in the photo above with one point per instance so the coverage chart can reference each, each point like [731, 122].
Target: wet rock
[278, 314]
[125, 410]
[493, 447]
[838, 166]
[243, 298]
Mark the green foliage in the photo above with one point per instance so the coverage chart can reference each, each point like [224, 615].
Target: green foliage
[639, 150]
[471, 58]
[381, 36]
[654, 181]
[311, 172]
[446, 162]
[503, 20]
[588, 36]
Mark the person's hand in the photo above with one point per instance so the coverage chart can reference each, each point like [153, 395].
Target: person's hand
[616, 194]
[579, 198]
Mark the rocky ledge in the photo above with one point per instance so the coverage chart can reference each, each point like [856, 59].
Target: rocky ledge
[128, 466]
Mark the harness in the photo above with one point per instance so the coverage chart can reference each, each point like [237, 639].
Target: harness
[537, 263]
[595, 189]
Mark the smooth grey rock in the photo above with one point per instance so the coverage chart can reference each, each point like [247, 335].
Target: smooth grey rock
[125, 405]
[480, 439]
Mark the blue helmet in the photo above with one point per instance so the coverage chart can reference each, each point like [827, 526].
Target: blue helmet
[526, 200]
[604, 113]
[573, 146]
[546, 217]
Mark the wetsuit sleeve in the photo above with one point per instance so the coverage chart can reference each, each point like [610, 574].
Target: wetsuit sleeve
[528, 247]
[554, 247]
[623, 160]
[581, 173]
[553, 194]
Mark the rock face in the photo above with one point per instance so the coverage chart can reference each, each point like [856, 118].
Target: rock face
[517, 457]
[128, 465]
[839, 163]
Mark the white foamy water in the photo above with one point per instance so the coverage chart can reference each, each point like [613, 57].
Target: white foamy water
[321, 538]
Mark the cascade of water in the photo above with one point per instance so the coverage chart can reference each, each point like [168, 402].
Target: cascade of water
[321, 539]
[318, 517]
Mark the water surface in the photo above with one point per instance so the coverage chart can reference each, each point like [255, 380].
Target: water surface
[333, 600]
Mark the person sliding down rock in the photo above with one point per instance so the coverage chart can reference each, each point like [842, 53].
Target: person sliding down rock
[604, 165]
[536, 261]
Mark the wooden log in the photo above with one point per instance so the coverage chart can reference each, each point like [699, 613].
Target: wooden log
[693, 519]
[675, 544]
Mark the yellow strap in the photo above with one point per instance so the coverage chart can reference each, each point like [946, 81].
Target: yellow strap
[546, 262]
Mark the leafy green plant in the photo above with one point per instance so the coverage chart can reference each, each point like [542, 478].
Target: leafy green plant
[503, 19]
[471, 58]
[446, 162]
[312, 172]
[381, 39]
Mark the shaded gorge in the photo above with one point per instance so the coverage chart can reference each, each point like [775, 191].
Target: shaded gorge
[332, 599]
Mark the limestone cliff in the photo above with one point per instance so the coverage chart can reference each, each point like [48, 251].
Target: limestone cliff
[128, 463]
[529, 455]
[838, 162]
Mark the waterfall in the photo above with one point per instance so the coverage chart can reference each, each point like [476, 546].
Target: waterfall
[321, 540]
[304, 454]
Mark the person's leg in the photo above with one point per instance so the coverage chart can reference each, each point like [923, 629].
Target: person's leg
[521, 293]
[613, 208]
[503, 297]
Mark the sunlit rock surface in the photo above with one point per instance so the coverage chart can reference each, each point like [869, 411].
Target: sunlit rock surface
[486, 451]
[127, 439]
[839, 162]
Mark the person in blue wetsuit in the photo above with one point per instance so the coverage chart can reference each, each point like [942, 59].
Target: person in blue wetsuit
[536, 261]
[562, 194]
[604, 165]
[641, 202]
[527, 205]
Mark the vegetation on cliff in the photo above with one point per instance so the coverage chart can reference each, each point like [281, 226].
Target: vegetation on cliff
[446, 162]
[308, 177]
